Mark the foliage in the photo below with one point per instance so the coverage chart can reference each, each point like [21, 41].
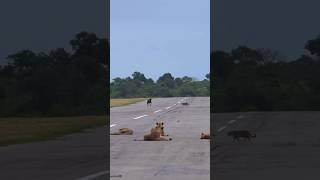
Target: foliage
[166, 86]
[57, 83]
[261, 80]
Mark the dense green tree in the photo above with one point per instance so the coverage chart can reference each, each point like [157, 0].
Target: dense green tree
[165, 86]
[313, 46]
[208, 76]
[262, 80]
[57, 83]
[166, 80]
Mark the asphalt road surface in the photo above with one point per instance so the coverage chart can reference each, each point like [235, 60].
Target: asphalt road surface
[186, 157]
[287, 146]
[80, 156]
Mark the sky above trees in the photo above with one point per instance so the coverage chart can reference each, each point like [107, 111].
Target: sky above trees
[44, 25]
[156, 37]
[280, 25]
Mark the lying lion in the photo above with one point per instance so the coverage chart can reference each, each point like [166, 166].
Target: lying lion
[123, 131]
[155, 134]
[206, 136]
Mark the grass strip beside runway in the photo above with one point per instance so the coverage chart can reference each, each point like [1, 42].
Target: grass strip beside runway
[23, 130]
[124, 102]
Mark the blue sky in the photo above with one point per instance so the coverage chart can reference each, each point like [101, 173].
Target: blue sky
[39, 25]
[159, 36]
[271, 24]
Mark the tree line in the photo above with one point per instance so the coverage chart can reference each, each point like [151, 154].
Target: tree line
[166, 86]
[58, 83]
[247, 79]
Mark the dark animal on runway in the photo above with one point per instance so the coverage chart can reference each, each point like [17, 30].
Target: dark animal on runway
[241, 134]
[185, 103]
[149, 102]
[155, 134]
[123, 131]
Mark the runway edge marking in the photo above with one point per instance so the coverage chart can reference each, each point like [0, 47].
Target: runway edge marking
[92, 176]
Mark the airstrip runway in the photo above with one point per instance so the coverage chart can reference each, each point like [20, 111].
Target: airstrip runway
[287, 146]
[186, 157]
[81, 156]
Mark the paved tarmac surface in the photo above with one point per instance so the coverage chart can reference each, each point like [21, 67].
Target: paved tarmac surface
[69, 158]
[287, 146]
[186, 157]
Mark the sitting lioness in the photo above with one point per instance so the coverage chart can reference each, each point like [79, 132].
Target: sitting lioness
[155, 134]
[123, 131]
[241, 134]
[161, 125]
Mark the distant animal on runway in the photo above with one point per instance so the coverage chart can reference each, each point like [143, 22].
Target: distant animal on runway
[123, 131]
[149, 102]
[245, 134]
[185, 103]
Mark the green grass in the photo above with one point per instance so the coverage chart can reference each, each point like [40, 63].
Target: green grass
[24, 130]
[124, 102]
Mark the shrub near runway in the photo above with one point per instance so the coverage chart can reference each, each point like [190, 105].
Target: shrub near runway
[124, 102]
[24, 130]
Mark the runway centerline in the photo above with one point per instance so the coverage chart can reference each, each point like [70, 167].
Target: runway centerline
[92, 176]
[222, 128]
[158, 111]
[231, 121]
[140, 116]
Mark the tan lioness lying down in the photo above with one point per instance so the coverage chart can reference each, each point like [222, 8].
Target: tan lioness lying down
[123, 131]
[155, 134]
[205, 136]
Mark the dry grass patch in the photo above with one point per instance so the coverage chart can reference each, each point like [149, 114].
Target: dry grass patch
[23, 130]
[123, 102]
